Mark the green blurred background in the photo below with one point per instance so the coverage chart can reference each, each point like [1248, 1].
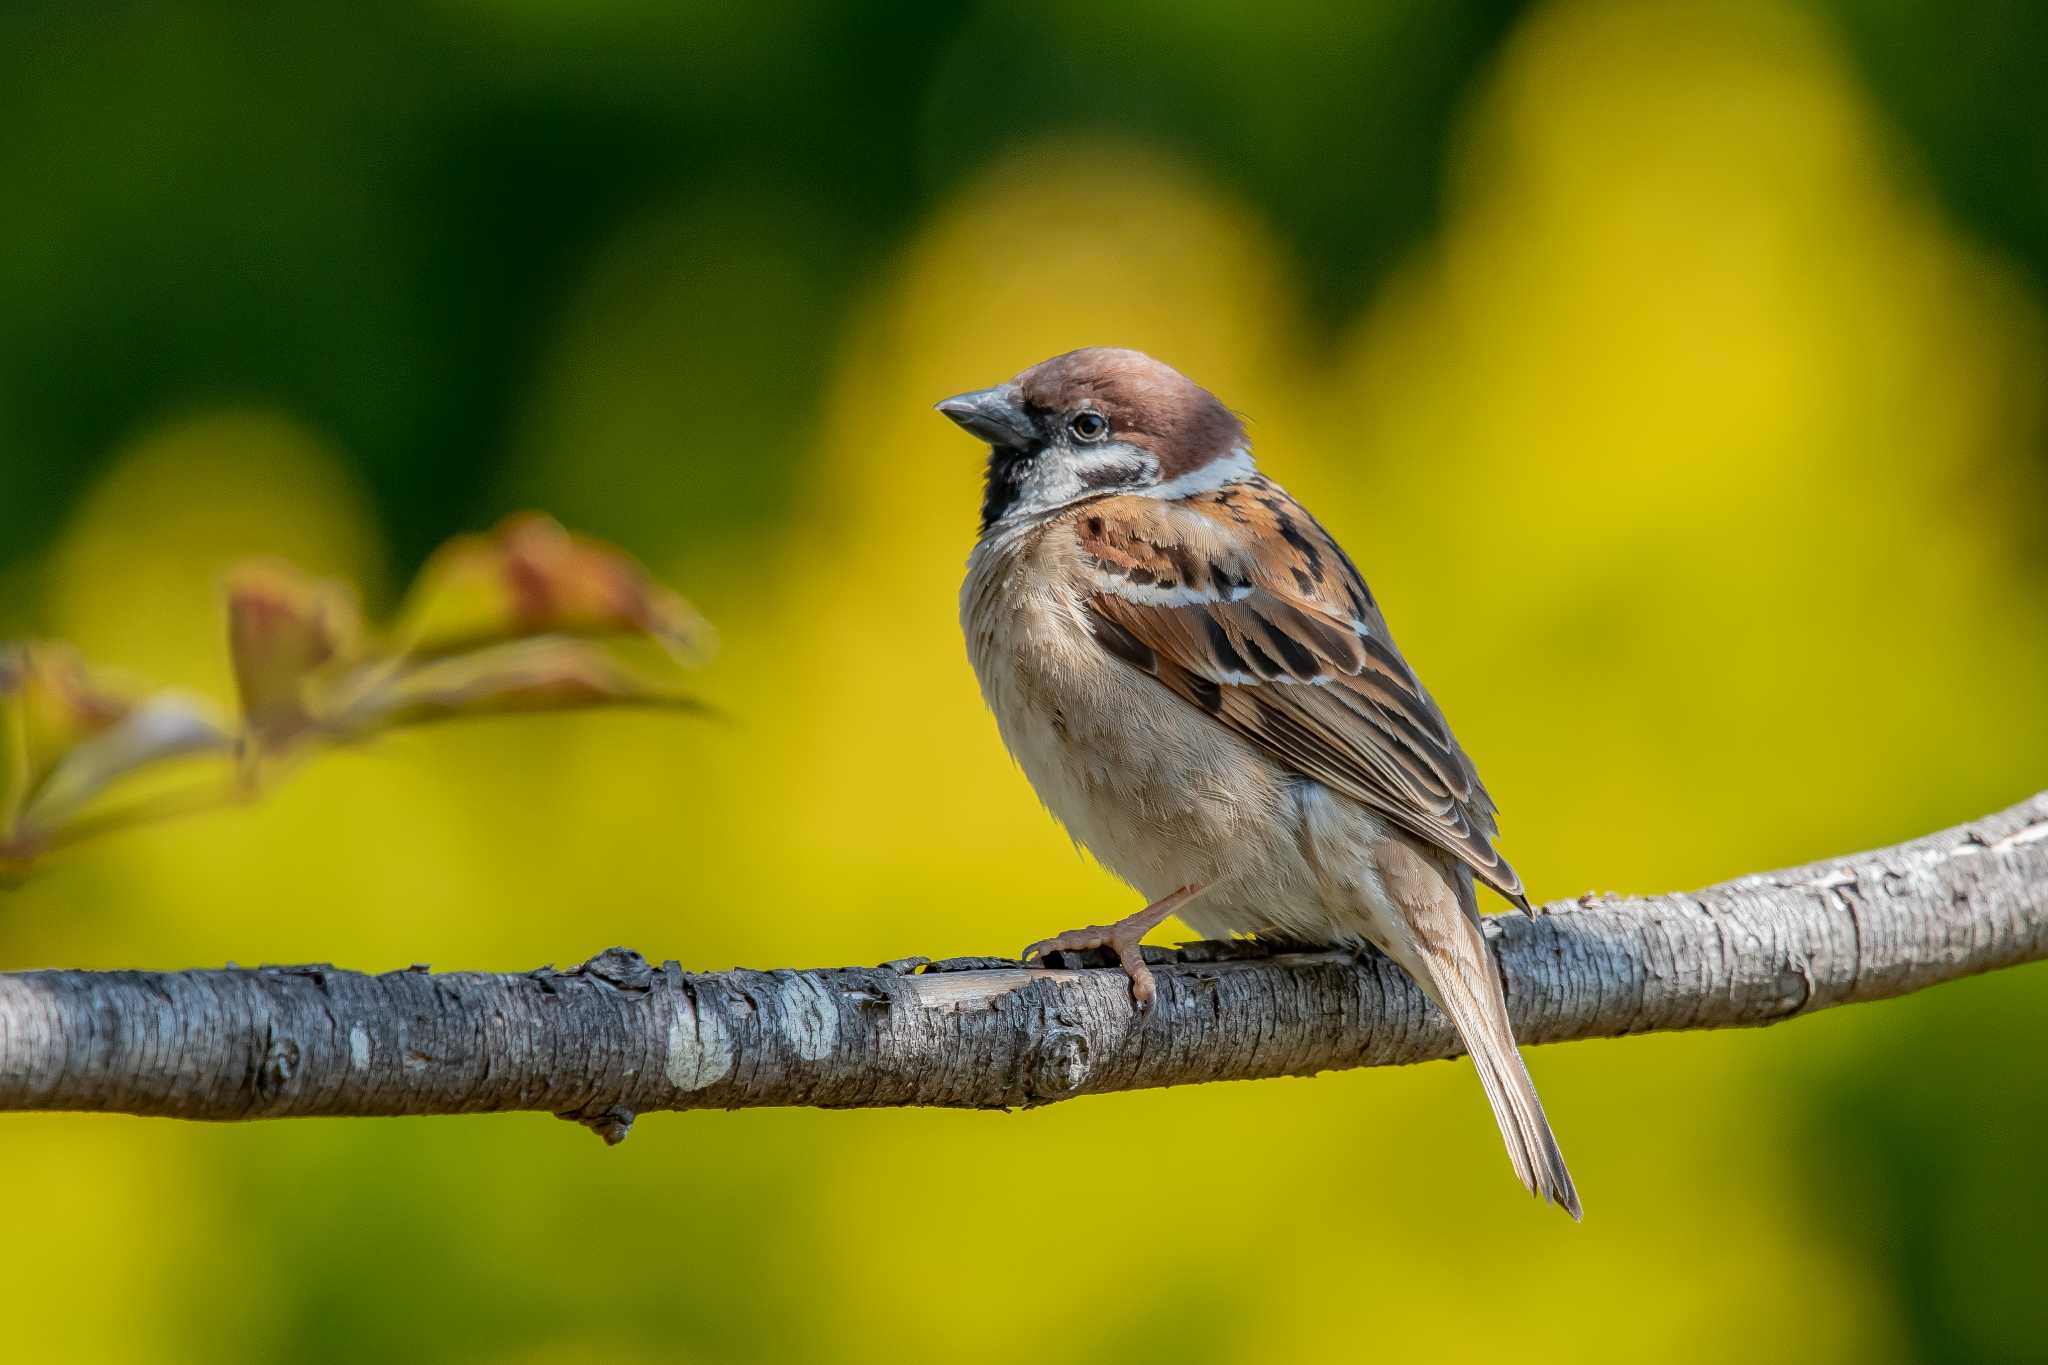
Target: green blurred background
[1676, 371]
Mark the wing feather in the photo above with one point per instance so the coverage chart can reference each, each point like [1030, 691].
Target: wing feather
[1243, 606]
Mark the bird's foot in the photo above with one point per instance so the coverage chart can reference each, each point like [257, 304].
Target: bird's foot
[1144, 987]
[1122, 937]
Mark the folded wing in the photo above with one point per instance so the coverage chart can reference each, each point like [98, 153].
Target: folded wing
[1242, 605]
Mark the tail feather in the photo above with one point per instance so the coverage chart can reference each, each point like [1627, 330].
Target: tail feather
[1479, 1012]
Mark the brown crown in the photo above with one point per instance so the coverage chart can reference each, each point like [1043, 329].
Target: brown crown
[1149, 404]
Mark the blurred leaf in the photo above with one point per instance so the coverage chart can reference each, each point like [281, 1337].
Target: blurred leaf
[497, 624]
[284, 630]
[532, 577]
[68, 737]
[162, 727]
[50, 706]
[545, 674]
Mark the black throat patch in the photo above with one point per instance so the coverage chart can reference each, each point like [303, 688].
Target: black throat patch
[1005, 481]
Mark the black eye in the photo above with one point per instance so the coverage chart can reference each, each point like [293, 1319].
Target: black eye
[1090, 426]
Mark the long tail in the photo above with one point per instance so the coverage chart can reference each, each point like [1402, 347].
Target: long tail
[1465, 983]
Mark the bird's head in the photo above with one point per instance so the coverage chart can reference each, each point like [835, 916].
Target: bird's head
[1097, 422]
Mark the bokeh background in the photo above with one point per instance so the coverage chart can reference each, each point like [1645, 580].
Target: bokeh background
[1676, 371]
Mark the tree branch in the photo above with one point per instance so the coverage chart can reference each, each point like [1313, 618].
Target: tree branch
[617, 1037]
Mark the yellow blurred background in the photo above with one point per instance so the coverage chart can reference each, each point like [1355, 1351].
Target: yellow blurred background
[1691, 431]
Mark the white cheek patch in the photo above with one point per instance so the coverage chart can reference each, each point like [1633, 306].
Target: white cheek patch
[1058, 476]
[1118, 465]
[1048, 483]
[1062, 475]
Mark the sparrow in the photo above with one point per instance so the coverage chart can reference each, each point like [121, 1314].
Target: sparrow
[1201, 688]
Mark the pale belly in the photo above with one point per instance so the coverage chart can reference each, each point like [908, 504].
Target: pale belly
[1161, 794]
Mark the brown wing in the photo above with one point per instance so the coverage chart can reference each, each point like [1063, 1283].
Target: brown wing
[1240, 603]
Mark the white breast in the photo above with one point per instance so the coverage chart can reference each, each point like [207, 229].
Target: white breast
[1160, 793]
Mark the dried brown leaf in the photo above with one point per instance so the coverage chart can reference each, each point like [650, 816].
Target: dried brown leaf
[287, 633]
[531, 577]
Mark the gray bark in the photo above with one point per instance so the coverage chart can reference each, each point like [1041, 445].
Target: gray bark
[617, 1036]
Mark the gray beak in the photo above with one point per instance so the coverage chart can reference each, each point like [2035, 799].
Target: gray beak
[995, 415]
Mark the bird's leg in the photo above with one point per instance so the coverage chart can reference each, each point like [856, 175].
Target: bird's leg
[1122, 936]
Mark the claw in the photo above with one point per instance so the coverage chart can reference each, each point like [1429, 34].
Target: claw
[1072, 941]
[1144, 988]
